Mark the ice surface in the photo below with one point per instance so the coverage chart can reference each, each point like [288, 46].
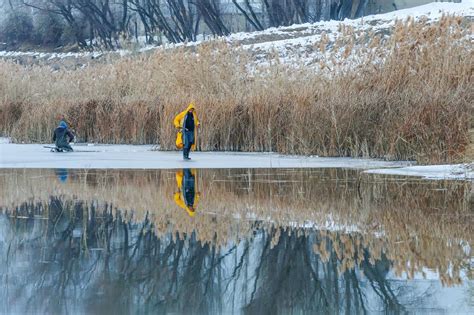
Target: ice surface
[456, 171]
[141, 157]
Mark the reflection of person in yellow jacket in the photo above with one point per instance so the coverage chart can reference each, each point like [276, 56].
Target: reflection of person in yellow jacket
[187, 197]
[187, 122]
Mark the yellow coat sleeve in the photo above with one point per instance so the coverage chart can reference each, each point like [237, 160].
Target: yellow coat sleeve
[178, 120]
[179, 179]
[178, 200]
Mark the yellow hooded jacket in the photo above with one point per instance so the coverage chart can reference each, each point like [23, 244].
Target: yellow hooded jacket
[178, 196]
[178, 123]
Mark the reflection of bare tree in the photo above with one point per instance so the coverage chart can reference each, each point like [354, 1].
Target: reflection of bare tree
[85, 257]
[289, 274]
[377, 278]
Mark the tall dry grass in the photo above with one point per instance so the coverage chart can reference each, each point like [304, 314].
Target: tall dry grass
[416, 104]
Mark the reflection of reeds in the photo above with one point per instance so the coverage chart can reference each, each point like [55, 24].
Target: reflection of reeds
[416, 224]
[414, 104]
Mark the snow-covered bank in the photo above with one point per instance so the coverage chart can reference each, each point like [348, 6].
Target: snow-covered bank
[296, 45]
[458, 171]
[141, 157]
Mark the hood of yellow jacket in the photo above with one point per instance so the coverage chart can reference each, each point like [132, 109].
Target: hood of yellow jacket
[191, 106]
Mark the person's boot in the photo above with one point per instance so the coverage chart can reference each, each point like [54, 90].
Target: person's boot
[186, 155]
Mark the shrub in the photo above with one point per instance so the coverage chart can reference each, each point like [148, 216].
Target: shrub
[49, 29]
[17, 28]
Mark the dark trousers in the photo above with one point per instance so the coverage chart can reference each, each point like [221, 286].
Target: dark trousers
[189, 185]
[188, 141]
[65, 147]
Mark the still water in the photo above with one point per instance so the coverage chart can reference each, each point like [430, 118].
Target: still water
[319, 241]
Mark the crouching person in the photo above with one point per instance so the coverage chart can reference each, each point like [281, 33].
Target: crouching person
[62, 136]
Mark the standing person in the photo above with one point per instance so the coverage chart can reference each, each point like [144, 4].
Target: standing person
[188, 122]
[62, 136]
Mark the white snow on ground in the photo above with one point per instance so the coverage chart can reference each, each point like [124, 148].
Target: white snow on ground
[141, 157]
[458, 171]
[44, 55]
[432, 11]
[333, 46]
[299, 45]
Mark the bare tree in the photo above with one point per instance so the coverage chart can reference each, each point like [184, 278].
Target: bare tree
[210, 12]
[179, 20]
[156, 19]
[65, 9]
[342, 9]
[249, 13]
[280, 12]
[102, 19]
[361, 7]
[185, 18]
[105, 19]
[274, 13]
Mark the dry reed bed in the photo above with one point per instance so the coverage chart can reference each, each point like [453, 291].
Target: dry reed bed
[415, 104]
[416, 225]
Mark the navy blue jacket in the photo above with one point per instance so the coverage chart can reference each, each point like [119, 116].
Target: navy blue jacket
[62, 137]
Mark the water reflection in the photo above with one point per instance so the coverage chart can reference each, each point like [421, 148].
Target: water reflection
[262, 241]
[187, 196]
[62, 174]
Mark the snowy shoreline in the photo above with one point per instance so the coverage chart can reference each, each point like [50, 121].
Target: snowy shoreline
[142, 157]
[447, 171]
[295, 44]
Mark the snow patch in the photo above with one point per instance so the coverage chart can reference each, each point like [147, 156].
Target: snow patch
[456, 171]
[295, 45]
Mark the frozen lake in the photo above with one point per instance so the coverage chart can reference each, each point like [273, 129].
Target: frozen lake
[101, 156]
